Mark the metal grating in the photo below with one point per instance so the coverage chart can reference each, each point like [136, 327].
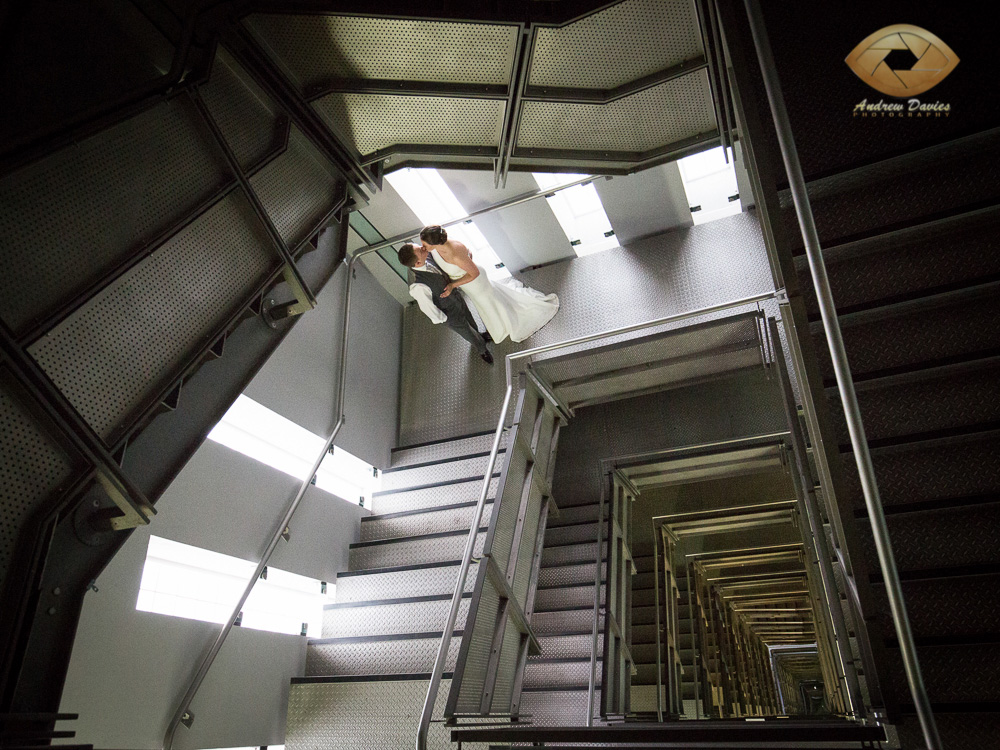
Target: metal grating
[32, 469]
[658, 116]
[296, 189]
[399, 584]
[395, 656]
[113, 354]
[391, 619]
[628, 41]
[318, 48]
[412, 552]
[372, 122]
[67, 221]
[244, 113]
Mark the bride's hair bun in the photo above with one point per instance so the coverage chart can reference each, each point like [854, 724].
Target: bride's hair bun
[434, 235]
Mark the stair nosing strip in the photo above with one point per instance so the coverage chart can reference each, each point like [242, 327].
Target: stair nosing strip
[432, 485]
[398, 568]
[439, 441]
[440, 461]
[430, 509]
[916, 373]
[373, 638]
[395, 677]
[390, 602]
[414, 538]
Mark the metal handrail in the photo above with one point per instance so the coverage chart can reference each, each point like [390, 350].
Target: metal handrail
[842, 371]
[209, 657]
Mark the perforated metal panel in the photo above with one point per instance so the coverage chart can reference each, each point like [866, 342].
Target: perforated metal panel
[397, 656]
[477, 655]
[389, 619]
[114, 353]
[399, 584]
[68, 220]
[617, 45]
[33, 467]
[244, 113]
[422, 523]
[664, 114]
[412, 552]
[364, 716]
[318, 48]
[371, 122]
[296, 189]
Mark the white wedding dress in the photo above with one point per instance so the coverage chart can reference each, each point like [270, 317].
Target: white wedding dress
[507, 307]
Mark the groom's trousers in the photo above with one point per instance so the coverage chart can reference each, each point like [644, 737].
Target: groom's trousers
[459, 316]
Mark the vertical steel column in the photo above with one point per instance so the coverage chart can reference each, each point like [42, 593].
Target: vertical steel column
[657, 538]
[597, 607]
[845, 383]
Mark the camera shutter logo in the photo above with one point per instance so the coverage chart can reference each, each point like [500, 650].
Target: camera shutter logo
[902, 60]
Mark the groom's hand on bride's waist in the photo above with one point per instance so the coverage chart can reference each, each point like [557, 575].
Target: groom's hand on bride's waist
[447, 290]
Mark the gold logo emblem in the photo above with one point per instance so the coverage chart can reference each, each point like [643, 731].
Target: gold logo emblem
[902, 60]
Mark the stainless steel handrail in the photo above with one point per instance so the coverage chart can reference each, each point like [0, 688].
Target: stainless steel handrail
[209, 657]
[842, 370]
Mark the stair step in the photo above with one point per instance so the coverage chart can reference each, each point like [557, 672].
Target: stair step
[454, 493]
[565, 597]
[934, 471]
[941, 538]
[961, 673]
[574, 514]
[389, 553]
[573, 573]
[557, 708]
[558, 673]
[417, 580]
[424, 521]
[414, 653]
[961, 729]
[563, 621]
[391, 617]
[575, 553]
[570, 645]
[898, 192]
[934, 402]
[458, 467]
[930, 330]
[957, 606]
[439, 450]
[571, 534]
[909, 263]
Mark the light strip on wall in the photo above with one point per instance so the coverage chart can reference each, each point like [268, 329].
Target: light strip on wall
[430, 198]
[182, 580]
[255, 431]
[710, 185]
[579, 212]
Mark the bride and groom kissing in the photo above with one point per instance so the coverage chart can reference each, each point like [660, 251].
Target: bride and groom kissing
[508, 308]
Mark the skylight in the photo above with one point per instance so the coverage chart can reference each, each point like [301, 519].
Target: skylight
[430, 198]
[580, 213]
[266, 436]
[710, 184]
[186, 581]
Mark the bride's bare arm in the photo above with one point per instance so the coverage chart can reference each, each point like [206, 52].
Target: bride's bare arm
[457, 253]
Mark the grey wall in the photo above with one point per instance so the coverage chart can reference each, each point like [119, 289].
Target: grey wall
[129, 668]
[679, 271]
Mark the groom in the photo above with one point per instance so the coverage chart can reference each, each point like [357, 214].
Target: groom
[427, 282]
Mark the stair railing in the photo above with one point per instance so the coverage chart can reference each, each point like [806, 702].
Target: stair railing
[437, 672]
[842, 371]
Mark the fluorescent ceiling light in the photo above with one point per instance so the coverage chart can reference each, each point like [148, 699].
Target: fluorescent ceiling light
[579, 212]
[198, 584]
[710, 183]
[255, 431]
[430, 198]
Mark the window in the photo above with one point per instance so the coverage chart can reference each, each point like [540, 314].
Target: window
[255, 431]
[186, 581]
[580, 213]
[710, 184]
[430, 198]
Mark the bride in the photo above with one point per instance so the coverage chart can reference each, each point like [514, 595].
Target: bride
[507, 307]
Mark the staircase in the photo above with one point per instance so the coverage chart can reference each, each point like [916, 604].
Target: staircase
[916, 285]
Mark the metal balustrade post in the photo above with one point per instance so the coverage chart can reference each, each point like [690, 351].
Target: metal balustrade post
[845, 383]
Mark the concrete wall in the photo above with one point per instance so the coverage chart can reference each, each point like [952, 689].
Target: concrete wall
[130, 668]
